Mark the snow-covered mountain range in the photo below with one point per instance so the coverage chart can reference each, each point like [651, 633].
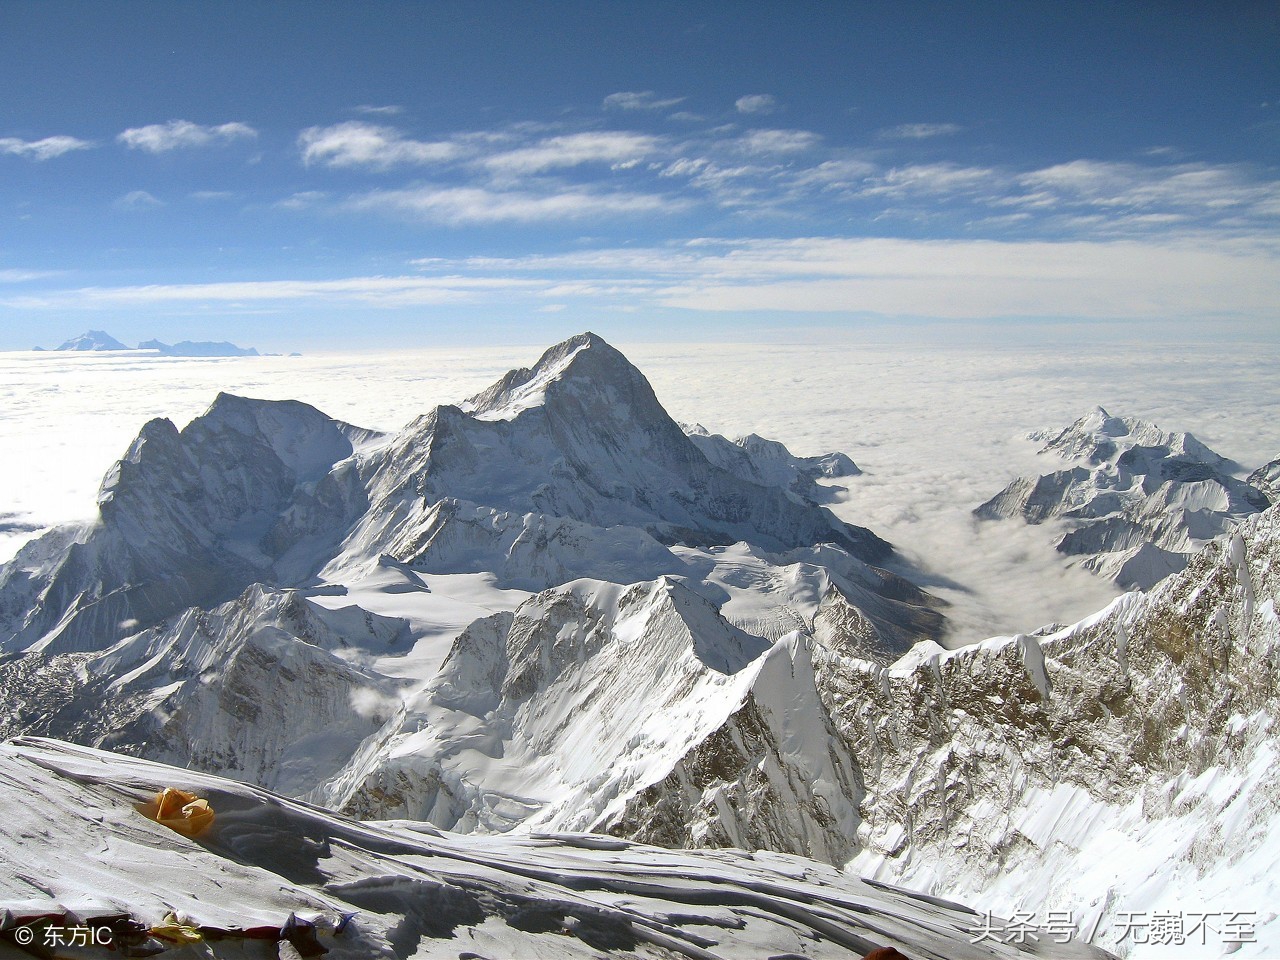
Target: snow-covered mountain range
[1136, 502]
[391, 577]
[99, 341]
[550, 608]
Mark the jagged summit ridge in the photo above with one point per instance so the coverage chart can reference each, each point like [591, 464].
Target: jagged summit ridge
[582, 436]
[187, 517]
[1136, 500]
[584, 356]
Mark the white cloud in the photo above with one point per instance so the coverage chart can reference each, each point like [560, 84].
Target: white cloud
[920, 131]
[845, 173]
[477, 205]
[959, 279]
[183, 134]
[302, 200]
[934, 179]
[45, 149]
[138, 200]
[756, 103]
[942, 279]
[12, 275]
[777, 141]
[357, 144]
[571, 150]
[643, 100]
[1189, 186]
[379, 291]
[391, 110]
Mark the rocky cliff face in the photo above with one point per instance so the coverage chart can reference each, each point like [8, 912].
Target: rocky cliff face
[1267, 479]
[1136, 502]
[1095, 768]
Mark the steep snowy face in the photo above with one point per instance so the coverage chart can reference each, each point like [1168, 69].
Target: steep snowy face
[188, 518]
[543, 718]
[769, 463]
[1127, 763]
[1267, 479]
[582, 436]
[236, 603]
[268, 688]
[417, 892]
[1137, 501]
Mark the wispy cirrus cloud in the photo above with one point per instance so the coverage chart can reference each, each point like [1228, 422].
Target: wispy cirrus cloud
[817, 276]
[44, 149]
[138, 200]
[944, 279]
[642, 100]
[756, 103]
[964, 279]
[777, 141]
[388, 110]
[1174, 187]
[527, 172]
[481, 205]
[358, 144]
[919, 131]
[15, 275]
[934, 180]
[376, 290]
[182, 135]
[571, 150]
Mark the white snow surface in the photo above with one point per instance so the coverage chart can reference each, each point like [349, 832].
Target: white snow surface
[76, 843]
[1098, 815]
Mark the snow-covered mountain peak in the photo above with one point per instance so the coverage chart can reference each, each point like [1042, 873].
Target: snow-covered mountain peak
[307, 441]
[582, 436]
[1136, 500]
[93, 340]
[1098, 437]
[583, 365]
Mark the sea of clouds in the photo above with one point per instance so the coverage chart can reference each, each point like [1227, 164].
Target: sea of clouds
[936, 429]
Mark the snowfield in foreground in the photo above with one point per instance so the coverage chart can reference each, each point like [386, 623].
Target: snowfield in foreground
[74, 842]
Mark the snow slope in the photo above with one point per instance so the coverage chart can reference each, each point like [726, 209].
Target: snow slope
[93, 340]
[417, 892]
[1126, 763]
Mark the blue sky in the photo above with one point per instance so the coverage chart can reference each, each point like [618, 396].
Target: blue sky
[310, 175]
